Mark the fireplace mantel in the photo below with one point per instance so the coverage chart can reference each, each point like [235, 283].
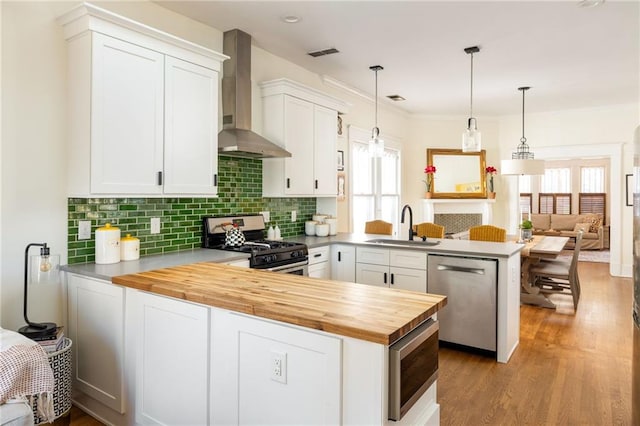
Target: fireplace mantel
[431, 207]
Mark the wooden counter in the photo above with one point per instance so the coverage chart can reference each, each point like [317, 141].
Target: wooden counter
[374, 314]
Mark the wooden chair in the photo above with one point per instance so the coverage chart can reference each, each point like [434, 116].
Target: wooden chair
[378, 227]
[429, 230]
[559, 276]
[488, 233]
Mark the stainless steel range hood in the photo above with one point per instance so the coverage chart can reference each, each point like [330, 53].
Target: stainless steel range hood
[236, 138]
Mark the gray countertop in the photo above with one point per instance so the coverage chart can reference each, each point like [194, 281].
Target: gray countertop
[148, 263]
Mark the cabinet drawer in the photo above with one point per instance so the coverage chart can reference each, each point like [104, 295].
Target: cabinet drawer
[319, 254]
[376, 256]
[408, 259]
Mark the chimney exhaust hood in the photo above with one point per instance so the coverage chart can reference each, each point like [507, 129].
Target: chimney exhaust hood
[236, 138]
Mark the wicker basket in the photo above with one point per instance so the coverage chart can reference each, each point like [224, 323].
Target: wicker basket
[60, 362]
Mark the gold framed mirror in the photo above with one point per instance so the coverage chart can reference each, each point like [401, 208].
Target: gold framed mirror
[458, 174]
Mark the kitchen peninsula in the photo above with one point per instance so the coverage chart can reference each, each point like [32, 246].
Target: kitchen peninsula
[231, 335]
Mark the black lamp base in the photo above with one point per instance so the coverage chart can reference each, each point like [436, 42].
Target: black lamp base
[46, 329]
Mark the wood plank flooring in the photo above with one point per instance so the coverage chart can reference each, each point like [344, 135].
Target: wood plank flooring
[569, 369]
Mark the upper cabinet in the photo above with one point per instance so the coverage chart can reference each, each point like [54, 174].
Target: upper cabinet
[304, 122]
[143, 109]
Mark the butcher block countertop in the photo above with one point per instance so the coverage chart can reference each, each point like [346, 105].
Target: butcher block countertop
[361, 311]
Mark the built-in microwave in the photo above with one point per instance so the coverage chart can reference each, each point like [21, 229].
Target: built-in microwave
[413, 367]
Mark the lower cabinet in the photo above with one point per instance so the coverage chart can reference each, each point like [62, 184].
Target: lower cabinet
[170, 358]
[96, 327]
[319, 266]
[271, 373]
[343, 262]
[400, 269]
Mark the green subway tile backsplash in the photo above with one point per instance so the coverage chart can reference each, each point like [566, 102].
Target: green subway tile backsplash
[239, 192]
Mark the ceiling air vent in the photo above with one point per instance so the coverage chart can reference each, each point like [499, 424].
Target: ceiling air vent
[396, 98]
[323, 52]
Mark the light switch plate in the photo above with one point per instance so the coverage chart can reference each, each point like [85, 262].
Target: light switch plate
[266, 216]
[294, 216]
[155, 225]
[84, 229]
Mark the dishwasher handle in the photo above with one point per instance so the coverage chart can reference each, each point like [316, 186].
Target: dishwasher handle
[454, 268]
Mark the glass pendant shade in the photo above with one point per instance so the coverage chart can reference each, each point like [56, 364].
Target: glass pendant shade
[44, 269]
[471, 138]
[376, 145]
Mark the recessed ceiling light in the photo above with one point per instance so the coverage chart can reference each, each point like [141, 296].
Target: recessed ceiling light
[291, 19]
[590, 3]
[396, 98]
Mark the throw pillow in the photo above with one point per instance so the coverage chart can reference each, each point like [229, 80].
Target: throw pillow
[584, 227]
[596, 222]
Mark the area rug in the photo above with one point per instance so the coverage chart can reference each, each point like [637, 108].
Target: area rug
[599, 256]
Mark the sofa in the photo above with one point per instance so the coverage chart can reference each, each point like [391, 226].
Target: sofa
[568, 225]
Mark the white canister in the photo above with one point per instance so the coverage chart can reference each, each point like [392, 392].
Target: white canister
[107, 244]
[333, 225]
[319, 217]
[129, 248]
[310, 227]
[322, 229]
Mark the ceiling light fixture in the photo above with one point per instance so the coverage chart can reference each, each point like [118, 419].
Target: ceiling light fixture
[522, 160]
[376, 145]
[291, 19]
[590, 3]
[471, 137]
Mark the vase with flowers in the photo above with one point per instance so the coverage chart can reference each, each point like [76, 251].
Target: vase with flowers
[491, 172]
[430, 170]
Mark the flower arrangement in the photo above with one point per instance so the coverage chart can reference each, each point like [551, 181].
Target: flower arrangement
[430, 171]
[491, 172]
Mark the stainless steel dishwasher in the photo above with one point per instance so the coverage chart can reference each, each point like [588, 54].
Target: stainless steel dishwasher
[470, 284]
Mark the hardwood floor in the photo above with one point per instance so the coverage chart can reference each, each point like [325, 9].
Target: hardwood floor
[569, 369]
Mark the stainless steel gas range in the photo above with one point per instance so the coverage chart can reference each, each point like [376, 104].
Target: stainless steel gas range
[269, 255]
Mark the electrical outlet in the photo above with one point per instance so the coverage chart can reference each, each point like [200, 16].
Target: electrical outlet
[84, 229]
[279, 366]
[155, 225]
[294, 216]
[266, 216]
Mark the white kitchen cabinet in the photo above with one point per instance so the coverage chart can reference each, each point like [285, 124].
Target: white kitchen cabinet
[273, 373]
[319, 265]
[303, 121]
[95, 325]
[171, 359]
[343, 262]
[143, 109]
[401, 269]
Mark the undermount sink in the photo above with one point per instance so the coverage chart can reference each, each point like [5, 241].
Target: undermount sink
[415, 243]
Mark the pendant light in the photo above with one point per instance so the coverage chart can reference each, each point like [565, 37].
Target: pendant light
[471, 137]
[522, 160]
[376, 145]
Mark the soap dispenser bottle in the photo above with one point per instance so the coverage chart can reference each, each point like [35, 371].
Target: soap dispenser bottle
[271, 233]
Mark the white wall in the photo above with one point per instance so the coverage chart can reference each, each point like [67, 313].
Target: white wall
[442, 132]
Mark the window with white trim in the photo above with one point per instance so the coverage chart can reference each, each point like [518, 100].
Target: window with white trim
[556, 180]
[364, 202]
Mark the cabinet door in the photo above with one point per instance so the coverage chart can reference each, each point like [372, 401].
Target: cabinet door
[191, 128]
[320, 270]
[372, 274]
[324, 151]
[127, 107]
[96, 328]
[298, 170]
[408, 279]
[343, 263]
[171, 360]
